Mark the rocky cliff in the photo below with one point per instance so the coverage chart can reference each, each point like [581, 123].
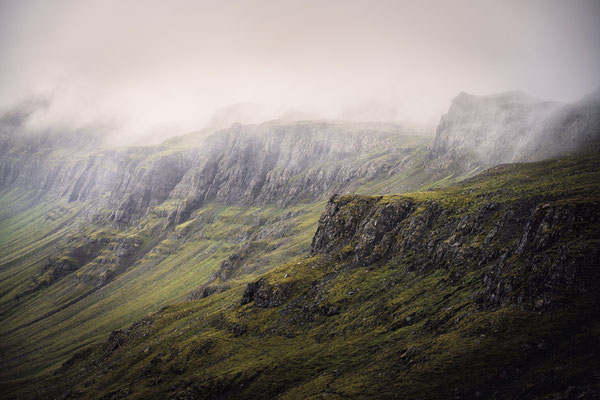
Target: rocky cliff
[527, 250]
[514, 127]
[284, 163]
[272, 163]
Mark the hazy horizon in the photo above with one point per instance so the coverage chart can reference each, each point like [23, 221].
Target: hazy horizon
[158, 69]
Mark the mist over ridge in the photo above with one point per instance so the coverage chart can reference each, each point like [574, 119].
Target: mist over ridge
[150, 70]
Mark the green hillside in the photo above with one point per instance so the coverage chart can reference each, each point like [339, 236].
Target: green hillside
[486, 289]
[68, 277]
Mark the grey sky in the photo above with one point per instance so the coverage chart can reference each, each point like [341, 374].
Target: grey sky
[168, 66]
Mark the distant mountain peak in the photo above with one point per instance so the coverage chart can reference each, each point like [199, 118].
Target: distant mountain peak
[513, 127]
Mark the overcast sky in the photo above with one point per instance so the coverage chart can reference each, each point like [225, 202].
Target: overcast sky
[168, 66]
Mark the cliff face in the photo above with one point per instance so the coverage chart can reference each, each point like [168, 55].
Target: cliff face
[271, 163]
[286, 163]
[526, 250]
[530, 244]
[514, 127]
[123, 181]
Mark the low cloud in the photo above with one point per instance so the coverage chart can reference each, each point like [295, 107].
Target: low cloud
[157, 69]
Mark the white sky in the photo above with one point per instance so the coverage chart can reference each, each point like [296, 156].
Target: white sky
[168, 66]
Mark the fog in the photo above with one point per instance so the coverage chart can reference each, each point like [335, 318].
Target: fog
[154, 69]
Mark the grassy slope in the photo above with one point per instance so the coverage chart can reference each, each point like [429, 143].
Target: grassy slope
[168, 273]
[24, 241]
[42, 329]
[396, 333]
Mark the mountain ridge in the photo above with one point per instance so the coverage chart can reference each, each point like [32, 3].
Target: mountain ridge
[514, 127]
[202, 216]
[478, 290]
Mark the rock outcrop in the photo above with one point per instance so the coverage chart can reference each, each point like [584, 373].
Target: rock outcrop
[264, 295]
[527, 250]
[514, 127]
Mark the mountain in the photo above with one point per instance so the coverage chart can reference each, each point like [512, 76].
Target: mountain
[514, 127]
[95, 238]
[487, 289]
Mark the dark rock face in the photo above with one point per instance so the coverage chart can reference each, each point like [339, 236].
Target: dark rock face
[264, 295]
[340, 221]
[525, 250]
[361, 222]
[237, 329]
[513, 127]
[101, 268]
[59, 267]
[116, 339]
[552, 267]
[233, 263]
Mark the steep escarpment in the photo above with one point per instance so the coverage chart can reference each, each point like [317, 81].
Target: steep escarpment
[529, 251]
[120, 184]
[514, 127]
[272, 163]
[282, 164]
[488, 289]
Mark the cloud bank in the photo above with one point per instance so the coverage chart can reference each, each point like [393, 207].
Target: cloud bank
[160, 68]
